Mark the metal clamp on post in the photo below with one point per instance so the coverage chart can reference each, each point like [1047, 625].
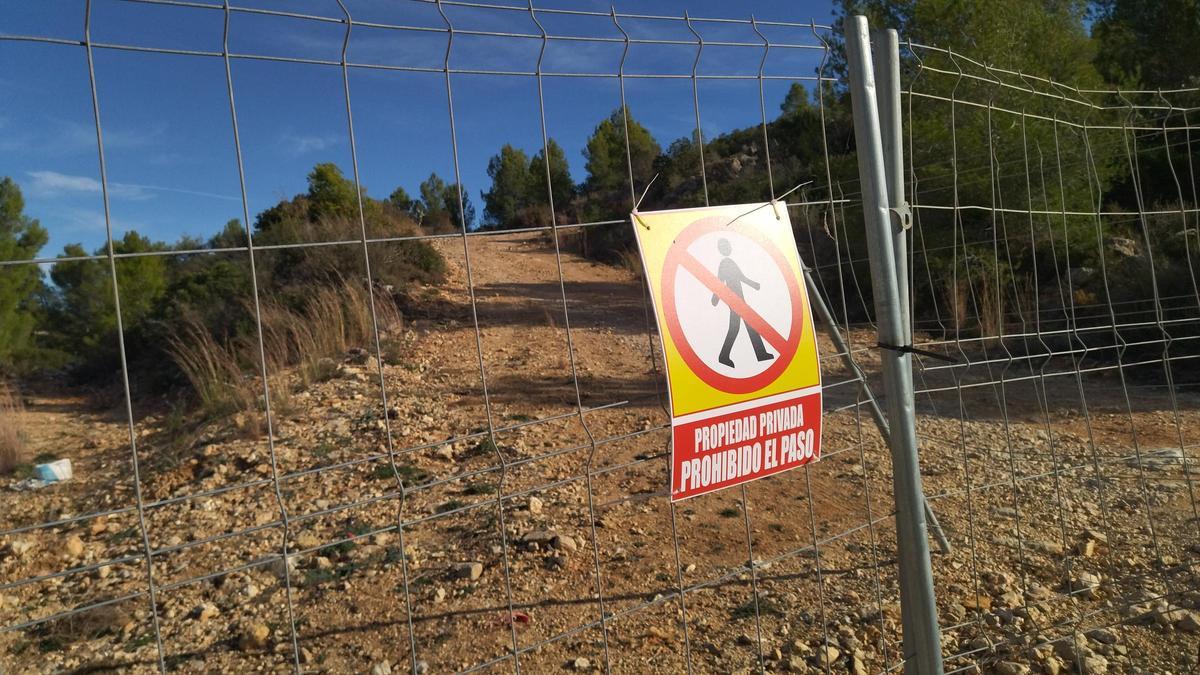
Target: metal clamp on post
[902, 215]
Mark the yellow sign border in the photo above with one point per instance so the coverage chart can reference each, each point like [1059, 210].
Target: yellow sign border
[656, 232]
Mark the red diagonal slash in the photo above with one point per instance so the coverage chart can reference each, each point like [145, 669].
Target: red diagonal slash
[737, 304]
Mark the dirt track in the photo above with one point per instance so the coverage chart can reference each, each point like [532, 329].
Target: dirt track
[584, 516]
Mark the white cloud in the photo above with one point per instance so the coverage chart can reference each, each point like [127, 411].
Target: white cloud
[181, 191]
[53, 181]
[72, 137]
[53, 184]
[304, 144]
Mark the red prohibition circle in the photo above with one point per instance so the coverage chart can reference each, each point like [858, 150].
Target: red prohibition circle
[672, 266]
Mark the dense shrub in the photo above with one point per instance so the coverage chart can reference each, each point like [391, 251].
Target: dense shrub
[197, 308]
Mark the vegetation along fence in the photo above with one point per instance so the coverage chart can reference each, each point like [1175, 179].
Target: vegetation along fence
[346, 433]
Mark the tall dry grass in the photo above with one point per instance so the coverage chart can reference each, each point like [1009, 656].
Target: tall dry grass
[333, 320]
[300, 346]
[13, 447]
[218, 371]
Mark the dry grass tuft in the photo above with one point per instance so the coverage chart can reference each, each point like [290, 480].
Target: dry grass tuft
[226, 376]
[13, 448]
[631, 261]
[89, 624]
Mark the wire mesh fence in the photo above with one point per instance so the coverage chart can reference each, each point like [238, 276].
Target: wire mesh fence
[470, 473]
[1068, 406]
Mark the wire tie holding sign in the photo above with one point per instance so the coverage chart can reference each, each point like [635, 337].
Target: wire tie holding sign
[909, 349]
[637, 217]
[775, 207]
[647, 189]
[772, 203]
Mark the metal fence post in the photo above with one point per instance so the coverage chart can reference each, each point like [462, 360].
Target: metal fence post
[887, 78]
[922, 637]
[886, 55]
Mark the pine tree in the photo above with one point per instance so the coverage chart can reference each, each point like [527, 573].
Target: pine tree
[21, 237]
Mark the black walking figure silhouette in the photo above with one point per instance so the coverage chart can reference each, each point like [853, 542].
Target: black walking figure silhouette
[731, 275]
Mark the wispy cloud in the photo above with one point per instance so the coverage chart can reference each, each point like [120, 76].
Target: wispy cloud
[180, 191]
[72, 221]
[301, 144]
[53, 183]
[73, 137]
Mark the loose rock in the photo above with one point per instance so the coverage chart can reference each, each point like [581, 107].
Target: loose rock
[826, 655]
[538, 538]
[255, 637]
[1094, 664]
[1086, 584]
[20, 547]
[207, 611]
[1046, 546]
[74, 546]
[468, 570]
[1189, 623]
[979, 602]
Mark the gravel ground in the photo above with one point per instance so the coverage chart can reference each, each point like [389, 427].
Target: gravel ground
[1070, 509]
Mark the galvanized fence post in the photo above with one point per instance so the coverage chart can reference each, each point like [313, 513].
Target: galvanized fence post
[922, 637]
[886, 53]
[887, 78]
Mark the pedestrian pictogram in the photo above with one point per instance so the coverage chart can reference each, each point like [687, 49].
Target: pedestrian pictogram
[739, 312]
[738, 343]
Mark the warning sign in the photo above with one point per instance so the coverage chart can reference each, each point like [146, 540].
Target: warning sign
[738, 339]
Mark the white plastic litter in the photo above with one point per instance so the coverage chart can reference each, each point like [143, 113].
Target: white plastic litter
[52, 472]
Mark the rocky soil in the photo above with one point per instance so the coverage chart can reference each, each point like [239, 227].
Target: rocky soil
[526, 525]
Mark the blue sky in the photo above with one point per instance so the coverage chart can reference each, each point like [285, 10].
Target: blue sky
[166, 122]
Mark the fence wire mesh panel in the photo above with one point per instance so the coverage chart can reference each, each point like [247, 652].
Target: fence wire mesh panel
[390, 439]
[350, 432]
[1056, 437]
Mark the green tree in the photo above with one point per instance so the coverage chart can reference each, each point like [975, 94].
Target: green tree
[84, 315]
[439, 206]
[328, 211]
[605, 193]
[330, 194]
[1047, 37]
[1145, 44]
[562, 186]
[795, 102]
[433, 194]
[512, 185]
[233, 235]
[607, 162]
[986, 139]
[401, 201]
[21, 237]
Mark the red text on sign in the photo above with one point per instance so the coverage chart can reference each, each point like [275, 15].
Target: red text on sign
[745, 444]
